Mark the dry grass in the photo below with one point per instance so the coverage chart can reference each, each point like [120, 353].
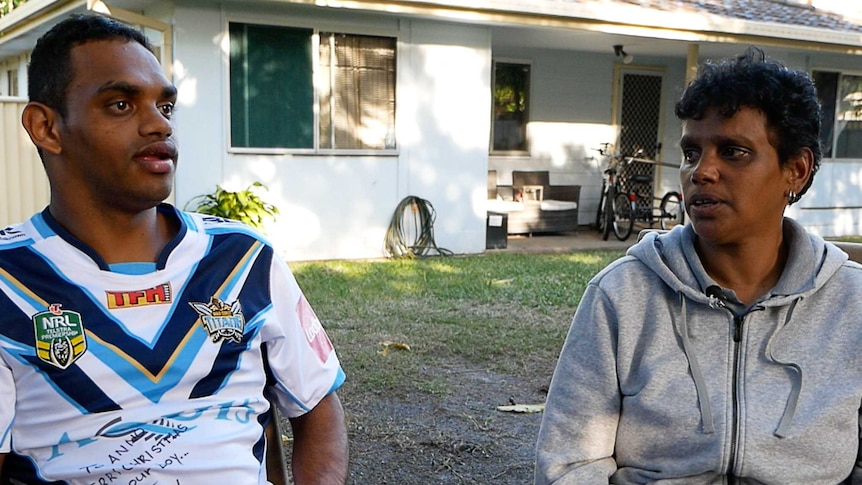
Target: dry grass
[465, 335]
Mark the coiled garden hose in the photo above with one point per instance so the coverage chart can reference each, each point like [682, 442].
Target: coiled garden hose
[413, 218]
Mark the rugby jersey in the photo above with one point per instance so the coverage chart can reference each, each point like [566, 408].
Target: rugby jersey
[151, 374]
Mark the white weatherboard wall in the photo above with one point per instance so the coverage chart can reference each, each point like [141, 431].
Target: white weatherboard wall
[444, 125]
[570, 115]
[339, 207]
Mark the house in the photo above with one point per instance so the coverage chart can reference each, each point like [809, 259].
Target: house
[343, 108]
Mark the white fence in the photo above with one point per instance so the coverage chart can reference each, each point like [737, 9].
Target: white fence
[23, 182]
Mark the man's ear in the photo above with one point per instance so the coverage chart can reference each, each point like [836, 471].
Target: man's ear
[42, 124]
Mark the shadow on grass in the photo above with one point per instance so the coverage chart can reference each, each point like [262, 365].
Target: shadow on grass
[472, 333]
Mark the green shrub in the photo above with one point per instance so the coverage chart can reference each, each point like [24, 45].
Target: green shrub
[244, 205]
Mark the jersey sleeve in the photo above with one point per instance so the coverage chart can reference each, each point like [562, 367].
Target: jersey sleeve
[300, 355]
[7, 407]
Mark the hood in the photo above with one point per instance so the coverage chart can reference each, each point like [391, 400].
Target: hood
[810, 263]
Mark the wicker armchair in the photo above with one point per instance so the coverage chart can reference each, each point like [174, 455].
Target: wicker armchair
[534, 205]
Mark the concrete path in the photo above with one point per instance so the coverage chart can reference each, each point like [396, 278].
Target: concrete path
[586, 238]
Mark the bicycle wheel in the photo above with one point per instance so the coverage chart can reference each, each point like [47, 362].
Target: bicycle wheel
[608, 213]
[672, 211]
[623, 220]
[600, 212]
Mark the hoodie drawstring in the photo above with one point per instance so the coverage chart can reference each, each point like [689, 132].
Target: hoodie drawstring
[793, 399]
[696, 374]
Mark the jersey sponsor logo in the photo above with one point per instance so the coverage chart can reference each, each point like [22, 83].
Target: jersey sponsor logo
[9, 233]
[157, 295]
[314, 333]
[218, 220]
[222, 321]
[60, 338]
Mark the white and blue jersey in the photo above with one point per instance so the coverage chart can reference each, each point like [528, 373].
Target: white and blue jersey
[151, 373]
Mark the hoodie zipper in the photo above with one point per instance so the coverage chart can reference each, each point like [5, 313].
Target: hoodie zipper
[737, 338]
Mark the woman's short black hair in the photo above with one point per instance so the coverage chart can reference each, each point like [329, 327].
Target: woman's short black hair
[787, 97]
[50, 69]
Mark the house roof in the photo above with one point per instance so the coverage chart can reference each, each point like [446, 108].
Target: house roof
[775, 11]
[588, 24]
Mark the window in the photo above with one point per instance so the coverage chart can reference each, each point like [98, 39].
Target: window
[12, 77]
[273, 99]
[841, 98]
[357, 95]
[511, 107]
[9, 86]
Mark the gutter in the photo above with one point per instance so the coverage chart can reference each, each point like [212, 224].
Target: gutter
[37, 13]
[612, 19]
[32, 14]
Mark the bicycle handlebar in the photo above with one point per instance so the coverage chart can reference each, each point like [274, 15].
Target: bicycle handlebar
[651, 162]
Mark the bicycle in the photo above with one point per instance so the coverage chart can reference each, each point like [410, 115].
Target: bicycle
[638, 204]
[607, 208]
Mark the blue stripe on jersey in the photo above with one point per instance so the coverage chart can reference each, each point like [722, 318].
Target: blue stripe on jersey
[172, 213]
[133, 268]
[41, 226]
[227, 362]
[218, 226]
[161, 364]
[263, 420]
[75, 386]
[187, 221]
[339, 380]
[255, 298]
[17, 244]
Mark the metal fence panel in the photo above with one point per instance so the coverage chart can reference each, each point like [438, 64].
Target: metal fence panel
[23, 181]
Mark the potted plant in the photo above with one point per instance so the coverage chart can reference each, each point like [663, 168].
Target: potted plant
[243, 205]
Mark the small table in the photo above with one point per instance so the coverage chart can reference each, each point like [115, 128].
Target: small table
[533, 192]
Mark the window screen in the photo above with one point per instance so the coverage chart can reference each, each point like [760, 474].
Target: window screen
[271, 91]
[357, 94]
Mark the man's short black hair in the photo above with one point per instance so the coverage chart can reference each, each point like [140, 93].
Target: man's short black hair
[787, 98]
[50, 69]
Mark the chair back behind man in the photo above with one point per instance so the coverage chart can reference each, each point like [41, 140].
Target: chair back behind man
[854, 250]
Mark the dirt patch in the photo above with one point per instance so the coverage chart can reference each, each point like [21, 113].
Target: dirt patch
[428, 415]
[457, 437]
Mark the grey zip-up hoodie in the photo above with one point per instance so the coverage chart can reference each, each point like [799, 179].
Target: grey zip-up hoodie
[666, 378]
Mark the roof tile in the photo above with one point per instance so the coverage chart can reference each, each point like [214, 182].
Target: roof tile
[776, 11]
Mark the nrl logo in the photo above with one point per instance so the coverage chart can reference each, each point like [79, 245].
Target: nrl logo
[222, 321]
[60, 338]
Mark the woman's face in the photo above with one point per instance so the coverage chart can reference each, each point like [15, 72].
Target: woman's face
[733, 185]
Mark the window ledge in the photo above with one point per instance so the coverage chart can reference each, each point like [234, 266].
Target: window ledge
[313, 153]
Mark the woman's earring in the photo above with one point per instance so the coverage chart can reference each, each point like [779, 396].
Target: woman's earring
[792, 198]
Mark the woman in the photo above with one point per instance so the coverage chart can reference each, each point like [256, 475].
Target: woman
[728, 350]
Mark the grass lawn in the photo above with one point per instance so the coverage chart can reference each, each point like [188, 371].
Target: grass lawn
[431, 347]
[499, 310]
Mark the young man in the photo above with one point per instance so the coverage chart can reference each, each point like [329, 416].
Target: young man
[136, 340]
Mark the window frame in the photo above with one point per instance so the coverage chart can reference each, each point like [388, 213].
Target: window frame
[11, 75]
[841, 72]
[509, 60]
[317, 28]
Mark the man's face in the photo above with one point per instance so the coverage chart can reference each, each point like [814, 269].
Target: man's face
[733, 185]
[117, 147]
